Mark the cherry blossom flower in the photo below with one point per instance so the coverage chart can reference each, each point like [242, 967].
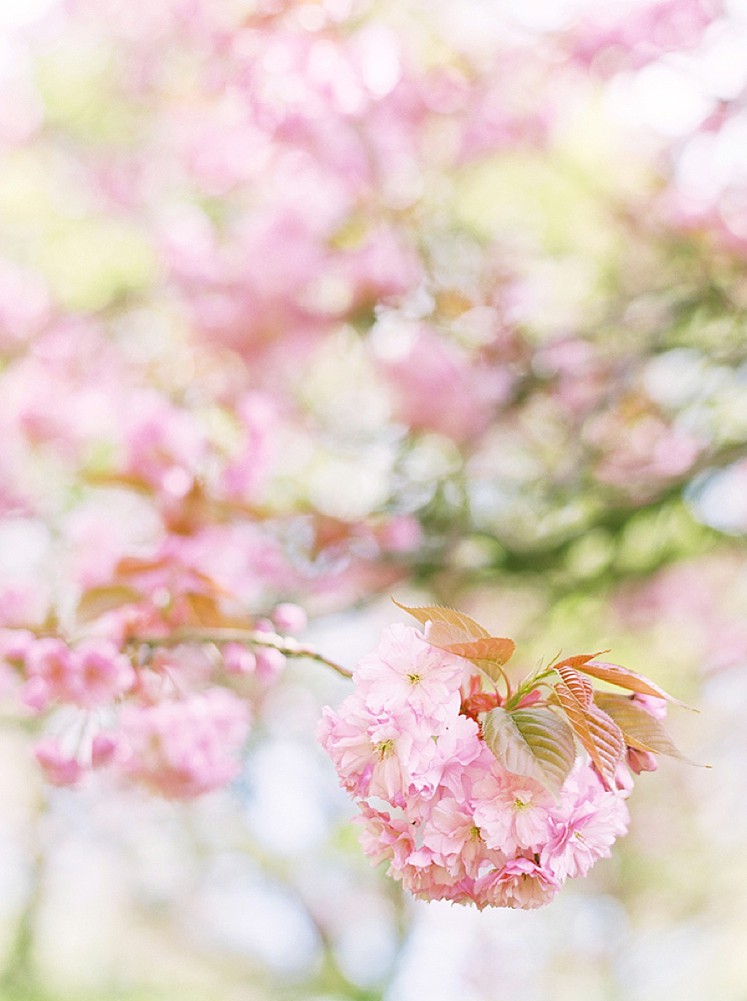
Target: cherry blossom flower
[586, 829]
[451, 821]
[185, 747]
[408, 671]
[521, 882]
[513, 811]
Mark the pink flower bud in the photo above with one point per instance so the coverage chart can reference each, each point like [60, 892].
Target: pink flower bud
[35, 694]
[656, 707]
[15, 645]
[641, 761]
[238, 660]
[289, 618]
[59, 768]
[107, 748]
[270, 663]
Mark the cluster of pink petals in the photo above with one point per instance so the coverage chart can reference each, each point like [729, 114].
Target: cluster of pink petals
[167, 726]
[437, 806]
[435, 387]
[185, 747]
[89, 675]
[177, 748]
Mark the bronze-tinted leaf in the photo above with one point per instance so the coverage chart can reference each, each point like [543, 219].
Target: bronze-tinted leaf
[537, 743]
[640, 729]
[578, 684]
[98, 600]
[488, 653]
[128, 481]
[579, 659]
[599, 734]
[130, 566]
[497, 649]
[203, 610]
[447, 626]
[626, 678]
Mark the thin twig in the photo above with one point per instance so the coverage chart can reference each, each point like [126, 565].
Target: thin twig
[250, 637]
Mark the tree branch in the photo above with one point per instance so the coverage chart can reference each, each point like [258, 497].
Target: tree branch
[249, 637]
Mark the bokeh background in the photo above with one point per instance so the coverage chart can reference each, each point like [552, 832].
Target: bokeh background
[345, 299]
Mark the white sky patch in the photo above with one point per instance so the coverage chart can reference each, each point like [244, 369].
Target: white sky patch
[722, 501]
[722, 63]
[544, 15]
[24, 546]
[711, 161]
[20, 13]
[667, 98]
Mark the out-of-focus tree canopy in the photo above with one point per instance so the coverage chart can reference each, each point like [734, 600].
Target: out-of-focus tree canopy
[306, 304]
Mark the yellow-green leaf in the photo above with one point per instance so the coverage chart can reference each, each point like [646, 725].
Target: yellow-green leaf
[640, 729]
[537, 743]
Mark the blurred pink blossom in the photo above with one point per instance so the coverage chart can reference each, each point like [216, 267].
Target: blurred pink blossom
[437, 388]
[186, 747]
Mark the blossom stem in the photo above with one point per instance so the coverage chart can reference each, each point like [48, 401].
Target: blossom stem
[251, 637]
[535, 681]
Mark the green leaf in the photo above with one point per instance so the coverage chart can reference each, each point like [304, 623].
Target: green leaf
[599, 734]
[640, 729]
[533, 742]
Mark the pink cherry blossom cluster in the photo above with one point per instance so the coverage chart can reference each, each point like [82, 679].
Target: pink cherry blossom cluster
[434, 801]
[161, 725]
[172, 720]
[178, 748]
